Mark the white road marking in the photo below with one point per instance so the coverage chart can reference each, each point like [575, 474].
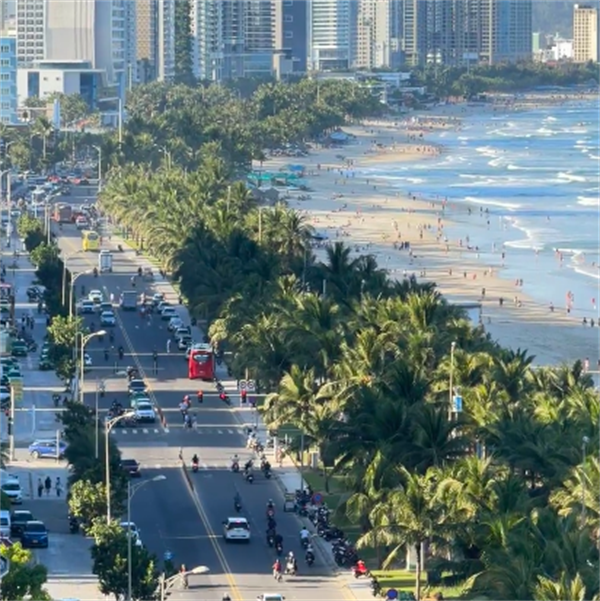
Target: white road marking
[145, 430]
[219, 431]
[204, 466]
[134, 431]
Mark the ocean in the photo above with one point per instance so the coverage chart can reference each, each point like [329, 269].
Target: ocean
[534, 176]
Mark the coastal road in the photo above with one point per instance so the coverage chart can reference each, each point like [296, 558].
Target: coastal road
[170, 516]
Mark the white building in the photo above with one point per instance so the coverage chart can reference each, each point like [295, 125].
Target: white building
[233, 39]
[100, 32]
[331, 31]
[377, 43]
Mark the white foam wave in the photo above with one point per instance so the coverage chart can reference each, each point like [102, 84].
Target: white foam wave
[588, 201]
[544, 131]
[496, 162]
[550, 119]
[587, 271]
[594, 157]
[536, 236]
[463, 138]
[570, 177]
[511, 206]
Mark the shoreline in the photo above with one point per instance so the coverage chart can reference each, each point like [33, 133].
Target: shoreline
[373, 217]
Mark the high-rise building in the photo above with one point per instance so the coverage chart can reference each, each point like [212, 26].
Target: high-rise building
[377, 35]
[101, 32]
[155, 40]
[459, 32]
[233, 39]
[507, 31]
[586, 32]
[331, 34]
[291, 36]
[8, 80]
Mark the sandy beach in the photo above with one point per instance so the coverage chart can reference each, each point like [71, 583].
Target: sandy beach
[407, 234]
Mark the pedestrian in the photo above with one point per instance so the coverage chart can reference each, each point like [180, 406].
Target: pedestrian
[40, 487]
[47, 485]
[168, 346]
[58, 487]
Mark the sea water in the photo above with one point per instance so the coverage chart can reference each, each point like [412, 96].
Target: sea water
[531, 180]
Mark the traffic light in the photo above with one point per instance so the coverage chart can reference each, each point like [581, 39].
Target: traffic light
[244, 396]
[10, 426]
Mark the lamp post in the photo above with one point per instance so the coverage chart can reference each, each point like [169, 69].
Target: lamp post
[99, 384]
[108, 426]
[74, 278]
[131, 490]
[64, 274]
[166, 584]
[584, 443]
[84, 341]
[99, 149]
[451, 382]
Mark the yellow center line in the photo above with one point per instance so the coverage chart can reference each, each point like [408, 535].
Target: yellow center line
[212, 537]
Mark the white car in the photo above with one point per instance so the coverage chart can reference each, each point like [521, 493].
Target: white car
[144, 412]
[158, 298]
[96, 296]
[236, 529]
[86, 306]
[12, 489]
[87, 360]
[161, 305]
[175, 323]
[270, 597]
[135, 532]
[167, 313]
[184, 342]
[107, 318]
[181, 331]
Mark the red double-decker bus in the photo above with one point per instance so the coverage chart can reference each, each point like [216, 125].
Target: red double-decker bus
[201, 364]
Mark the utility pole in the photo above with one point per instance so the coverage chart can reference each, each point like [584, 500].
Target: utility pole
[11, 425]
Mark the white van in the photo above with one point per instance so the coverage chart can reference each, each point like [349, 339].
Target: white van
[4, 523]
[7, 477]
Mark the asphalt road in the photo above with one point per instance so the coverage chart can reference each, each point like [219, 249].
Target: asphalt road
[170, 517]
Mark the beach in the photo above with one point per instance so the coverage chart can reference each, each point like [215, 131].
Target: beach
[354, 199]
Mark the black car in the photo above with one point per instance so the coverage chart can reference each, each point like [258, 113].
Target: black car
[18, 519]
[34, 293]
[132, 467]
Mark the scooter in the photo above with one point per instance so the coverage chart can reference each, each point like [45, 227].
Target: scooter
[267, 474]
[249, 478]
[279, 549]
[237, 506]
[310, 559]
[195, 467]
[271, 541]
[235, 467]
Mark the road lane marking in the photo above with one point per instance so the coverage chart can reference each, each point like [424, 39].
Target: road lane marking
[235, 591]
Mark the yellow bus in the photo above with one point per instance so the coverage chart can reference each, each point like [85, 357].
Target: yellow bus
[90, 240]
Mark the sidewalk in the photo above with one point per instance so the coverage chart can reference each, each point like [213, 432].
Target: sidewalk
[288, 477]
[33, 415]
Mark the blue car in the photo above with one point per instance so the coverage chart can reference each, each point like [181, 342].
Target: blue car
[34, 534]
[41, 449]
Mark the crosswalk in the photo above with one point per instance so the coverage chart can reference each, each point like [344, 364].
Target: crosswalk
[198, 430]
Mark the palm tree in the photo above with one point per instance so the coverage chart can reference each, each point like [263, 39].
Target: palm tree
[43, 128]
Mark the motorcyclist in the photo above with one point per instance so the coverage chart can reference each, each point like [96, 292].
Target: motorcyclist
[279, 540]
[290, 564]
[304, 535]
[121, 352]
[270, 505]
[309, 554]
[248, 465]
[195, 460]
[271, 523]
[271, 537]
[183, 575]
[92, 327]
[237, 501]
[360, 567]
[235, 463]
[200, 396]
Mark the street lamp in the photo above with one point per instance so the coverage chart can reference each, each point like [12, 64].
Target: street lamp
[584, 442]
[131, 490]
[166, 584]
[64, 273]
[109, 424]
[99, 149]
[167, 154]
[74, 278]
[451, 383]
[99, 386]
[84, 341]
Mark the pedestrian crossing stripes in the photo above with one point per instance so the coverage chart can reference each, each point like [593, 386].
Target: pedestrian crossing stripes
[199, 430]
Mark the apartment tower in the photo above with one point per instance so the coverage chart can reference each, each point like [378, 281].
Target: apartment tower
[233, 39]
[585, 34]
[155, 40]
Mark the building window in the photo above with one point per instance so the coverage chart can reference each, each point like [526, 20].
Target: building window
[288, 19]
[289, 35]
[5, 49]
[4, 76]
[5, 62]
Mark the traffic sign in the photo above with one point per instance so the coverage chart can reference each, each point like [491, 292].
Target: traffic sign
[251, 385]
[4, 566]
[242, 385]
[168, 556]
[317, 498]
[391, 594]
[457, 401]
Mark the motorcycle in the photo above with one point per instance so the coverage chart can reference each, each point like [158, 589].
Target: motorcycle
[249, 478]
[267, 474]
[279, 549]
[73, 525]
[194, 467]
[271, 541]
[375, 587]
[120, 248]
[359, 573]
[304, 542]
[310, 559]
[237, 506]
[235, 467]
[290, 568]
